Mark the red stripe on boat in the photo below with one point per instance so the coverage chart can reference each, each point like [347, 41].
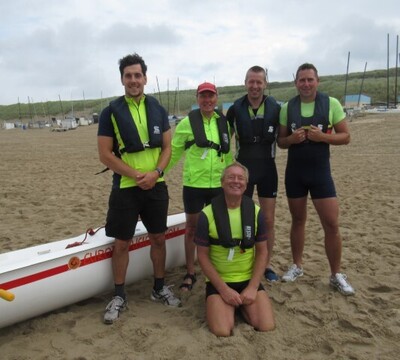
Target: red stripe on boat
[88, 259]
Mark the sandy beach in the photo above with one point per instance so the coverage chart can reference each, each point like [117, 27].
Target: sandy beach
[48, 192]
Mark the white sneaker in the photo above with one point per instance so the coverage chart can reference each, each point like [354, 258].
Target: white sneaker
[340, 283]
[113, 309]
[292, 274]
[166, 296]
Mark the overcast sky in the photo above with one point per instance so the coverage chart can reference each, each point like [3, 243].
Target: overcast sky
[71, 48]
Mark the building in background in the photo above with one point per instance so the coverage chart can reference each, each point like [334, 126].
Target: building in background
[358, 100]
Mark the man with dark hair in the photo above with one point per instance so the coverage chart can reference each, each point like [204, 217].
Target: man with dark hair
[255, 119]
[132, 59]
[134, 141]
[306, 129]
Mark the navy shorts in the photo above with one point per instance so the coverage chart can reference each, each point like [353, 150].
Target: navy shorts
[195, 199]
[315, 179]
[264, 176]
[238, 286]
[126, 205]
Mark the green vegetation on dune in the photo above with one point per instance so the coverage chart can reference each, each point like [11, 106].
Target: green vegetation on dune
[375, 86]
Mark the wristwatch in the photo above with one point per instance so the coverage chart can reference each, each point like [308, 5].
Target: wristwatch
[160, 172]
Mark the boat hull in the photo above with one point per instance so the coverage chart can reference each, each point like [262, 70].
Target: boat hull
[46, 277]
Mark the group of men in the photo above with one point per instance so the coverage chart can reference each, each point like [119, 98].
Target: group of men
[234, 237]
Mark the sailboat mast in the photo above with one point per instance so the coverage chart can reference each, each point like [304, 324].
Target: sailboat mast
[62, 110]
[159, 93]
[178, 112]
[362, 84]
[395, 76]
[30, 109]
[84, 110]
[168, 96]
[345, 82]
[19, 110]
[387, 74]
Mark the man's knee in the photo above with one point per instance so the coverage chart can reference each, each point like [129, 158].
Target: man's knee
[269, 326]
[121, 246]
[157, 240]
[221, 331]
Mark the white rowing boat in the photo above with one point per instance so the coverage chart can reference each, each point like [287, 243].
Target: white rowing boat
[42, 278]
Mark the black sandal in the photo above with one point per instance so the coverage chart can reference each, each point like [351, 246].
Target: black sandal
[187, 286]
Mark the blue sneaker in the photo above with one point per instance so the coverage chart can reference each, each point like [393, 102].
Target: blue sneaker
[270, 275]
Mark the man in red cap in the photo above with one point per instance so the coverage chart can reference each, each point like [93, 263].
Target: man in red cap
[203, 137]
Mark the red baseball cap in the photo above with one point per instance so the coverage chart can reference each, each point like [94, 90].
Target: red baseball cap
[206, 86]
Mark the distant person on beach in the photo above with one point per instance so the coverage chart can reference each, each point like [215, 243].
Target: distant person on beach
[231, 239]
[255, 118]
[203, 138]
[306, 128]
[134, 141]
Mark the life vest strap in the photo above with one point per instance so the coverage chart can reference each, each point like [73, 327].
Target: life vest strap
[210, 144]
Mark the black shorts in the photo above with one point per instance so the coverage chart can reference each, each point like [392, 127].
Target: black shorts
[126, 205]
[195, 199]
[238, 286]
[264, 175]
[316, 179]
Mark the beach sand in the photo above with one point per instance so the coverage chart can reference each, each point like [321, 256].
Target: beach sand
[48, 192]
